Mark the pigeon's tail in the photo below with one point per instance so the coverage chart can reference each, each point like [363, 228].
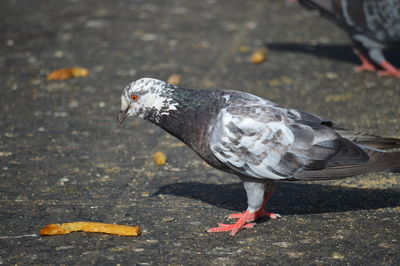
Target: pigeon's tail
[368, 140]
[378, 161]
[385, 161]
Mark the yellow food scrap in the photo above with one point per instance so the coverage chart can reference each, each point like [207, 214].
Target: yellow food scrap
[175, 79]
[94, 227]
[79, 72]
[259, 56]
[160, 158]
[67, 73]
[339, 97]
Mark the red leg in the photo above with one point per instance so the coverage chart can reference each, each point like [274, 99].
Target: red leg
[389, 70]
[245, 218]
[262, 210]
[366, 65]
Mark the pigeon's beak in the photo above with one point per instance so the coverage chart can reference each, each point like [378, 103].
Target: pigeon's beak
[122, 115]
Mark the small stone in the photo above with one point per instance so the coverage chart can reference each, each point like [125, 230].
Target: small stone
[331, 75]
[73, 104]
[152, 241]
[172, 43]
[168, 219]
[60, 114]
[62, 181]
[282, 244]
[10, 135]
[95, 23]
[10, 42]
[148, 37]
[251, 25]
[337, 256]
[5, 153]
[113, 170]
[59, 54]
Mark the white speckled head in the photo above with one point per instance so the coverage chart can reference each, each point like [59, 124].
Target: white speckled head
[146, 97]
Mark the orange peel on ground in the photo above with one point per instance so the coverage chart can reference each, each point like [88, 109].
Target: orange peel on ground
[94, 227]
[67, 73]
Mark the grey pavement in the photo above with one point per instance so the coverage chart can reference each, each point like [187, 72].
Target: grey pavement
[63, 158]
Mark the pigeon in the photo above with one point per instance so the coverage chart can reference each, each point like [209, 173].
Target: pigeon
[259, 141]
[373, 25]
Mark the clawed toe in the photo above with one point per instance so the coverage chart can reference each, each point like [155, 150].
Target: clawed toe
[385, 73]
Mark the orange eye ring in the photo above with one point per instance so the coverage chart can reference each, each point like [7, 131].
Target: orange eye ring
[134, 97]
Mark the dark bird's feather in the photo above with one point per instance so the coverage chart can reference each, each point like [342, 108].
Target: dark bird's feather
[373, 25]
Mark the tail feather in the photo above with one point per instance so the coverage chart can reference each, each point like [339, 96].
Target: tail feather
[378, 161]
[368, 140]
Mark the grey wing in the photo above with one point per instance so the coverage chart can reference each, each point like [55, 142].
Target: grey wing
[382, 18]
[262, 141]
[365, 140]
[377, 19]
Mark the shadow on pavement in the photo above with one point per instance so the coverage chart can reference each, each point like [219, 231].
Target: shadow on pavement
[337, 52]
[289, 198]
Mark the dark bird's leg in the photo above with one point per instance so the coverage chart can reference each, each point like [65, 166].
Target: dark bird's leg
[366, 65]
[388, 69]
[257, 201]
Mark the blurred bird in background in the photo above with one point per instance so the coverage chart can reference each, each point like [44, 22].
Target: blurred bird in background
[373, 25]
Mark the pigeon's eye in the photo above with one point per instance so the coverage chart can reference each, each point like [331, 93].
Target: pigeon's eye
[134, 97]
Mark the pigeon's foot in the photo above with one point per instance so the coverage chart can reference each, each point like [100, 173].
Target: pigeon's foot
[389, 70]
[366, 65]
[245, 219]
[243, 222]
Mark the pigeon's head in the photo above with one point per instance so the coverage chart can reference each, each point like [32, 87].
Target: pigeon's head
[146, 98]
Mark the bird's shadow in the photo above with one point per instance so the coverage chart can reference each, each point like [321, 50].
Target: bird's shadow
[338, 52]
[289, 198]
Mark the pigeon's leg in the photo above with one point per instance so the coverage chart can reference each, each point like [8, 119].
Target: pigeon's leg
[263, 212]
[388, 69]
[366, 65]
[256, 201]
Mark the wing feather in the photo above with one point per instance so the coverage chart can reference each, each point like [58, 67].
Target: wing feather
[262, 140]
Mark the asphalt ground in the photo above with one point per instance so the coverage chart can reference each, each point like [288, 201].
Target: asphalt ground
[63, 157]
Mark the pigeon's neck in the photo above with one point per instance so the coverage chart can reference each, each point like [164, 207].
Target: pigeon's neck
[195, 110]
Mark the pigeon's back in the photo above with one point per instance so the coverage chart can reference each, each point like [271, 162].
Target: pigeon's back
[377, 20]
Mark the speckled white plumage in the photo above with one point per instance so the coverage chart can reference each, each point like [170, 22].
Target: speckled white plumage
[153, 95]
